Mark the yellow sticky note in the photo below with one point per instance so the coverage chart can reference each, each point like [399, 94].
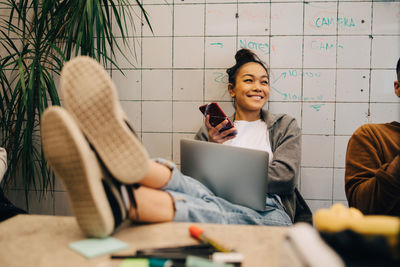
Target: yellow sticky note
[135, 263]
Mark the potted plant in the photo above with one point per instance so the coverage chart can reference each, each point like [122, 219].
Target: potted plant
[36, 38]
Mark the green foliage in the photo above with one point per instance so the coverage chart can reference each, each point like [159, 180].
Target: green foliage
[36, 38]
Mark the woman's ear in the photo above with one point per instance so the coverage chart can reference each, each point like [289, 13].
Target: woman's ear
[230, 90]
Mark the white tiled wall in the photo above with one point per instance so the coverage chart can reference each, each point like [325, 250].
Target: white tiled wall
[332, 68]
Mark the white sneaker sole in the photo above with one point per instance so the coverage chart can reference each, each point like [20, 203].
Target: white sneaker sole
[91, 98]
[70, 157]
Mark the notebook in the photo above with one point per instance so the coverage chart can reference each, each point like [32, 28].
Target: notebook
[239, 175]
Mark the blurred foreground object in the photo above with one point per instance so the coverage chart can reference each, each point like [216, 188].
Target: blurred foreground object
[303, 247]
[361, 240]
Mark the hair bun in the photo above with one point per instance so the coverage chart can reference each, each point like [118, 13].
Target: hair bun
[242, 57]
[245, 55]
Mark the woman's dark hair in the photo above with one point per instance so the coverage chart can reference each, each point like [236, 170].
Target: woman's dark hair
[242, 57]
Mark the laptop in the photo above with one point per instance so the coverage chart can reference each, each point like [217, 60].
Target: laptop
[236, 174]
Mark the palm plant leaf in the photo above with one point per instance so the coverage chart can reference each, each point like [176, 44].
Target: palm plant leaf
[36, 38]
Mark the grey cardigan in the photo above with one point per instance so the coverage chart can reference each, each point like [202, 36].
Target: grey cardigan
[285, 139]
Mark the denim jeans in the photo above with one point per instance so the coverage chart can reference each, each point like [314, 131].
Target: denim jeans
[194, 202]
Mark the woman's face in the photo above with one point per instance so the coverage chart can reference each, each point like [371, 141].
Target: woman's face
[251, 90]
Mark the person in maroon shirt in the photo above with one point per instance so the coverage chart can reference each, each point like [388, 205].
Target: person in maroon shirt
[372, 177]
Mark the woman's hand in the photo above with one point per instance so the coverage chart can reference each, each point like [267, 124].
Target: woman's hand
[214, 134]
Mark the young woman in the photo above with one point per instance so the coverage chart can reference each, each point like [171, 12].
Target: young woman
[278, 134]
[117, 180]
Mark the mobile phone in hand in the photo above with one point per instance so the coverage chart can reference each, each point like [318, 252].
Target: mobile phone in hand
[216, 115]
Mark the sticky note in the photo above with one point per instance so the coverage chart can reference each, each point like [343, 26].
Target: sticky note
[94, 247]
[135, 263]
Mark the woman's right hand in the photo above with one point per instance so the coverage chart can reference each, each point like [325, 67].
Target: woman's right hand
[214, 133]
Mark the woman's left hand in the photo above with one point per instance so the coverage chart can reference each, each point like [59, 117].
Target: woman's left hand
[216, 135]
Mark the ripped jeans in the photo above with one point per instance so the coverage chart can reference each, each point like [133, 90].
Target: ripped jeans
[194, 202]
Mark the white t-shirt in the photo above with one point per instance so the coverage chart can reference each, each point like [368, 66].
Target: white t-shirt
[253, 135]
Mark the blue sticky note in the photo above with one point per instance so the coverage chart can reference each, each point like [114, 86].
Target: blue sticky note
[94, 247]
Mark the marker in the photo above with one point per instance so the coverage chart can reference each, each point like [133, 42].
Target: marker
[198, 233]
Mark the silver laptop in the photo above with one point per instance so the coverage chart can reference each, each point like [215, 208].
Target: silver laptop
[236, 174]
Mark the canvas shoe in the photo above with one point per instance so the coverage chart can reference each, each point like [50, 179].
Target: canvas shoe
[98, 201]
[91, 98]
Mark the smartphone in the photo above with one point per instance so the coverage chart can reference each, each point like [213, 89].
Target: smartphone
[216, 115]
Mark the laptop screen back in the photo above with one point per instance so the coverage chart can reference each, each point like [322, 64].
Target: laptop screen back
[236, 174]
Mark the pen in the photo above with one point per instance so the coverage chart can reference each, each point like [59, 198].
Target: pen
[206, 248]
[199, 234]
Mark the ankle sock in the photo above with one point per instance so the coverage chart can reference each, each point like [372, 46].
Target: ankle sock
[121, 197]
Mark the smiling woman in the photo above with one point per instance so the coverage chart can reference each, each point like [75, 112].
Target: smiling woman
[278, 134]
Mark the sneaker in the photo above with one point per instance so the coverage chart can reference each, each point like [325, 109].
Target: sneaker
[91, 98]
[96, 198]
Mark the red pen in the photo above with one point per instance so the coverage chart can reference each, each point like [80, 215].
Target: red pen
[198, 233]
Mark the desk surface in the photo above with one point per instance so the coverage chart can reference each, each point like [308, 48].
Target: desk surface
[38, 240]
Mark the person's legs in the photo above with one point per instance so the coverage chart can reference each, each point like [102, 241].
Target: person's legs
[185, 199]
[194, 202]
[99, 202]
[91, 98]
[97, 199]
